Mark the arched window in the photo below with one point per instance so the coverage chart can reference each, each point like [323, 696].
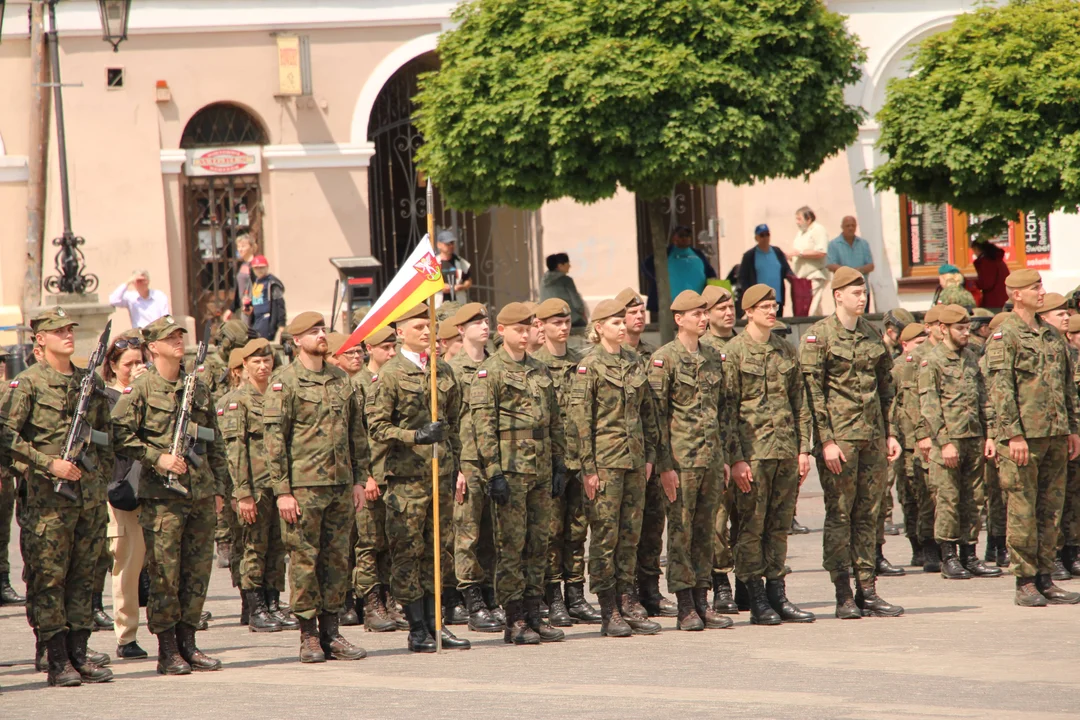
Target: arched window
[222, 124]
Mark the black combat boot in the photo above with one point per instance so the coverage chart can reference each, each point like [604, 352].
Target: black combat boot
[797, 528]
[41, 661]
[742, 596]
[931, 556]
[169, 660]
[454, 612]
[538, 624]
[196, 658]
[969, 558]
[1027, 595]
[1072, 552]
[867, 599]
[310, 648]
[98, 658]
[245, 609]
[917, 557]
[688, 618]
[1053, 594]
[991, 546]
[1001, 552]
[789, 612]
[333, 643]
[951, 569]
[612, 623]
[558, 616]
[101, 619]
[449, 640]
[420, 640]
[8, 596]
[61, 672]
[517, 630]
[723, 602]
[886, 568]
[497, 612]
[760, 611]
[88, 671]
[480, 619]
[578, 607]
[348, 617]
[376, 618]
[654, 602]
[259, 618]
[1060, 571]
[634, 614]
[846, 609]
[280, 612]
[712, 620]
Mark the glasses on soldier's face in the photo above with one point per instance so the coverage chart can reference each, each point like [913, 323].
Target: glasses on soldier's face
[125, 343]
[352, 353]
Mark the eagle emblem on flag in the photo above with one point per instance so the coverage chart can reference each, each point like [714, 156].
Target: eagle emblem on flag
[428, 266]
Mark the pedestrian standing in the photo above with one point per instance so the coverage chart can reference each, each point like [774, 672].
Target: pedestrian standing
[1070, 520]
[991, 271]
[455, 269]
[143, 303]
[8, 595]
[557, 283]
[810, 250]
[267, 300]
[765, 263]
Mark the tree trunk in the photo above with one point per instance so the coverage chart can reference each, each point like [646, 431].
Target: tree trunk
[38, 162]
[659, 232]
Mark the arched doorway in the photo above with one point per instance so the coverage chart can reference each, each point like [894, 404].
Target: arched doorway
[222, 202]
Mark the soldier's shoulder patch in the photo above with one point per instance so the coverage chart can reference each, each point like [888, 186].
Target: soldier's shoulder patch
[127, 390]
[810, 339]
[582, 369]
[658, 362]
[15, 384]
[997, 335]
[723, 357]
[233, 406]
[910, 359]
[220, 411]
[924, 363]
[374, 377]
[276, 387]
[481, 373]
[201, 368]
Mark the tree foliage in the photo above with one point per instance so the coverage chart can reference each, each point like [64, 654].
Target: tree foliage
[989, 118]
[542, 99]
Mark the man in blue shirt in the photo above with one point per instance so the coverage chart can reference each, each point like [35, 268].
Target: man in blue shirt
[688, 269]
[765, 264]
[850, 250]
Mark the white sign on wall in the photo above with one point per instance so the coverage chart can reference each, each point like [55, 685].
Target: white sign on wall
[237, 160]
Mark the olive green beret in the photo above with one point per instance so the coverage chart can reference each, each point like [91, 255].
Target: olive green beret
[380, 336]
[607, 309]
[982, 313]
[162, 328]
[54, 318]
[931, 315]
[304, 322]
[912, 331]
[447, 331]
[950, 314]
[755, 294]
[515, 313]
[845, 276]
[687, 300]
[236, 358]
[252, 347]
[335, 340]
[417, 311]
[715, 294]
[629, 297]
[998, 319]
[1052, 301]
[553, 307]
[468, 313]
[1025, 277]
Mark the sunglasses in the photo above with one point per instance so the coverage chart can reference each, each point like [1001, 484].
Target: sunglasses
[125, 343]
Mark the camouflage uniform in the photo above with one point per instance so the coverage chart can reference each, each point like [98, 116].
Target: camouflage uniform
[726, 520]
[372, 551]
[214, 372]
[995, 497]
[911, 475]
[7, 511]
[518, 426]
[1070, 519]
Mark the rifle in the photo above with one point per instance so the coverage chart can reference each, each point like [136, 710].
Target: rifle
[186, 433]
[79, 432]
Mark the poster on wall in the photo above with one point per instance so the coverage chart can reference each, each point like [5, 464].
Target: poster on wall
[1037, 241]
[237, 160]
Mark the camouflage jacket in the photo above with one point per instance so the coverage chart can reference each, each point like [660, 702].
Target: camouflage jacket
[644, 350]
[34, 421]
[977, 345]
[849, 380]
[314, 436]
[952, 396]
[905, 413]
[766, 386]
[363, 386]
[464, 368]
[611, 403]
[398, 406]
[1031, 380]
[562, 371]
[716, 342]
[142, 429]
[240, 420]
[215, 373]
[516, 416]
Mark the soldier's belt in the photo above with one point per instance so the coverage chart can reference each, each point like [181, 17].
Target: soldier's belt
[534, 434]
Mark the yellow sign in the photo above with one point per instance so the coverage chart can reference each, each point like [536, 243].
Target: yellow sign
[290, 81]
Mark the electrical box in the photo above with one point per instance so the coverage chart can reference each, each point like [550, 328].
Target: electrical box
[360, 285]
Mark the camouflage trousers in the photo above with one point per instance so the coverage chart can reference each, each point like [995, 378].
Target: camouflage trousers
[615, 522]
[1036, 497]
[7, 511]
[318, 547]
[959, 493]
[410, 531]
[765, 516]
[179, 559]
[60, 549]
[852, 503]
[1070, 515]
[914, 495]
[727, 527]
[566, 536]
[236, 538]
[372, 549]
[652, 527]
[474, 533]
[521, 538]
[104, 565]
[885, 514]
[261, 549]
[996, 517]
[691, 525]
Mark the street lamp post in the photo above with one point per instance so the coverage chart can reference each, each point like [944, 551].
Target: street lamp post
[114, 21]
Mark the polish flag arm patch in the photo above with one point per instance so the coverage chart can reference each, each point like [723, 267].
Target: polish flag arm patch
[127, 390]
[233, 406]
[15, 384]
[811, 338]
[374, 378]
[582, 370]
[723, 357]
[481, 373]
[997, 335]
[276, 387]
[658, 363]
[924, 363]
[220, 411]
[909, 358]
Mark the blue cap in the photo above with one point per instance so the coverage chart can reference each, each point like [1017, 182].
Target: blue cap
[762, 229]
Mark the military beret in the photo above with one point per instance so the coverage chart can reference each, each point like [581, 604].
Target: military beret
[335, 340]
[304, 322]
[1025, 277]
[1052, 301]
[755, 294]
[468, 313]
[236, 358]
[531, 305]
[235, 330]
[515, 313]
[950, 314]
[252, 347]
[931, 315]
[981, 313]
[715, 294]
[53, 318]
[359, 315]
[998, 319]
[687, 300]
[629, 297]
[417, 311]
[606, 309]
[948, 269]
[447, 331]
[552, 307]
[447, 310]
[384, 334]
[845, 276]
[162, 328]
[898, 317]
[912, 331]
[1074, 324]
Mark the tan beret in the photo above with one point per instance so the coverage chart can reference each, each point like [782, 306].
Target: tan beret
[1074, 324]
[912, 331]
[755, 294]
[1052, 301]
[687, 300]
[552, 307]
[384, 334]
[236, 359]
[998, 319]
[931, 315]
[515, 313]
[252, 347]
[715, 294]
[304, 322]
[1025, 277]
[447, 331]
[335, 340]
[845, 276]
[467, 313]
[950, 314]
[416, 311]
[606, 309]
[629, 297]
[982, 313]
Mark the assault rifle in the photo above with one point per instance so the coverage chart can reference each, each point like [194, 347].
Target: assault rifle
[186, 433]
[79, 432]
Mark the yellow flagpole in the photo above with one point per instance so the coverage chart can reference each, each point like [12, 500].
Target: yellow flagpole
[432, 363]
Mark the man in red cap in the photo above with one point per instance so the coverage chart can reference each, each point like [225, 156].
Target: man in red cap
[267, 300]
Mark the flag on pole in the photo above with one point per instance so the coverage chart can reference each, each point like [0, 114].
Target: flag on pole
[419, 278]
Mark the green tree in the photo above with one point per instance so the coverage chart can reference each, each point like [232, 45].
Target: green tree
[542, 99]
[989, 119]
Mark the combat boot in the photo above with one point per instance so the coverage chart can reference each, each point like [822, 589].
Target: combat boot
[1027, 595]
[969, 558]
[348, 617]
[245, 609]
[449, 640]
[41, 661]
[1001, 552]
[712, 620]
[224, 554]
[88, 671]
[867, 599]
[951, 569]
[776, 592]
[280, 612]
[539, 625]
[688, 618]
[1053, 594]
[723, 602]
[196, 658]
[916, 552]
[654, 602]
[100, 618]
[517, 630]
[333, 643]
[8, 596]
[578, 607]
[310, 649]
[931, 556]
[259, 618]
[760, 611]
[454, 612]
[169, 660]
[61, 672]
[394, 609]
[612, 623]
[797, 528]
[98, 658]
[376, 618]
[558, 616]
[886, 568]
[742, 596]
[846, 609]
[633, 614]
[204, 621]
[420, 640]
[991, 546]
[1073, 562]
[1060, 573]
[488, 593]
[480, 619]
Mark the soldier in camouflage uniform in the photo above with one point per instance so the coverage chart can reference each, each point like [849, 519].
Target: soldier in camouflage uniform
[952, 398]
[695, 423]
[316, 452]
[61, 538]
[1070, 521]
[996, 520]
[1035, 422]
[849, 384]
[612, 405]
[931, 550]
[771, 454]
[8, 596]
[893, 323]
[520, 448]
[402, 432]
[980, 330]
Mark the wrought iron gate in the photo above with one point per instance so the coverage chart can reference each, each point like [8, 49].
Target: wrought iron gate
[689, 205]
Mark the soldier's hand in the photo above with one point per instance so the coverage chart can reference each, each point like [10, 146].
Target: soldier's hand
[669, 481]
[288, 508]
[804, 467]
[498, 490]
[433, 432]
[371, 490]
[950, 455]
[727, 474]
[1074, 446]
[743, 477]
[592, 484]
[219, 504]
[246, 510]
[989, 449]
[924, 446]
[892, 448]
[65, 470]
[648, 470]
[1018, 450]
[834, 457]
[358, 493]
[459, 490]
[170, 464]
